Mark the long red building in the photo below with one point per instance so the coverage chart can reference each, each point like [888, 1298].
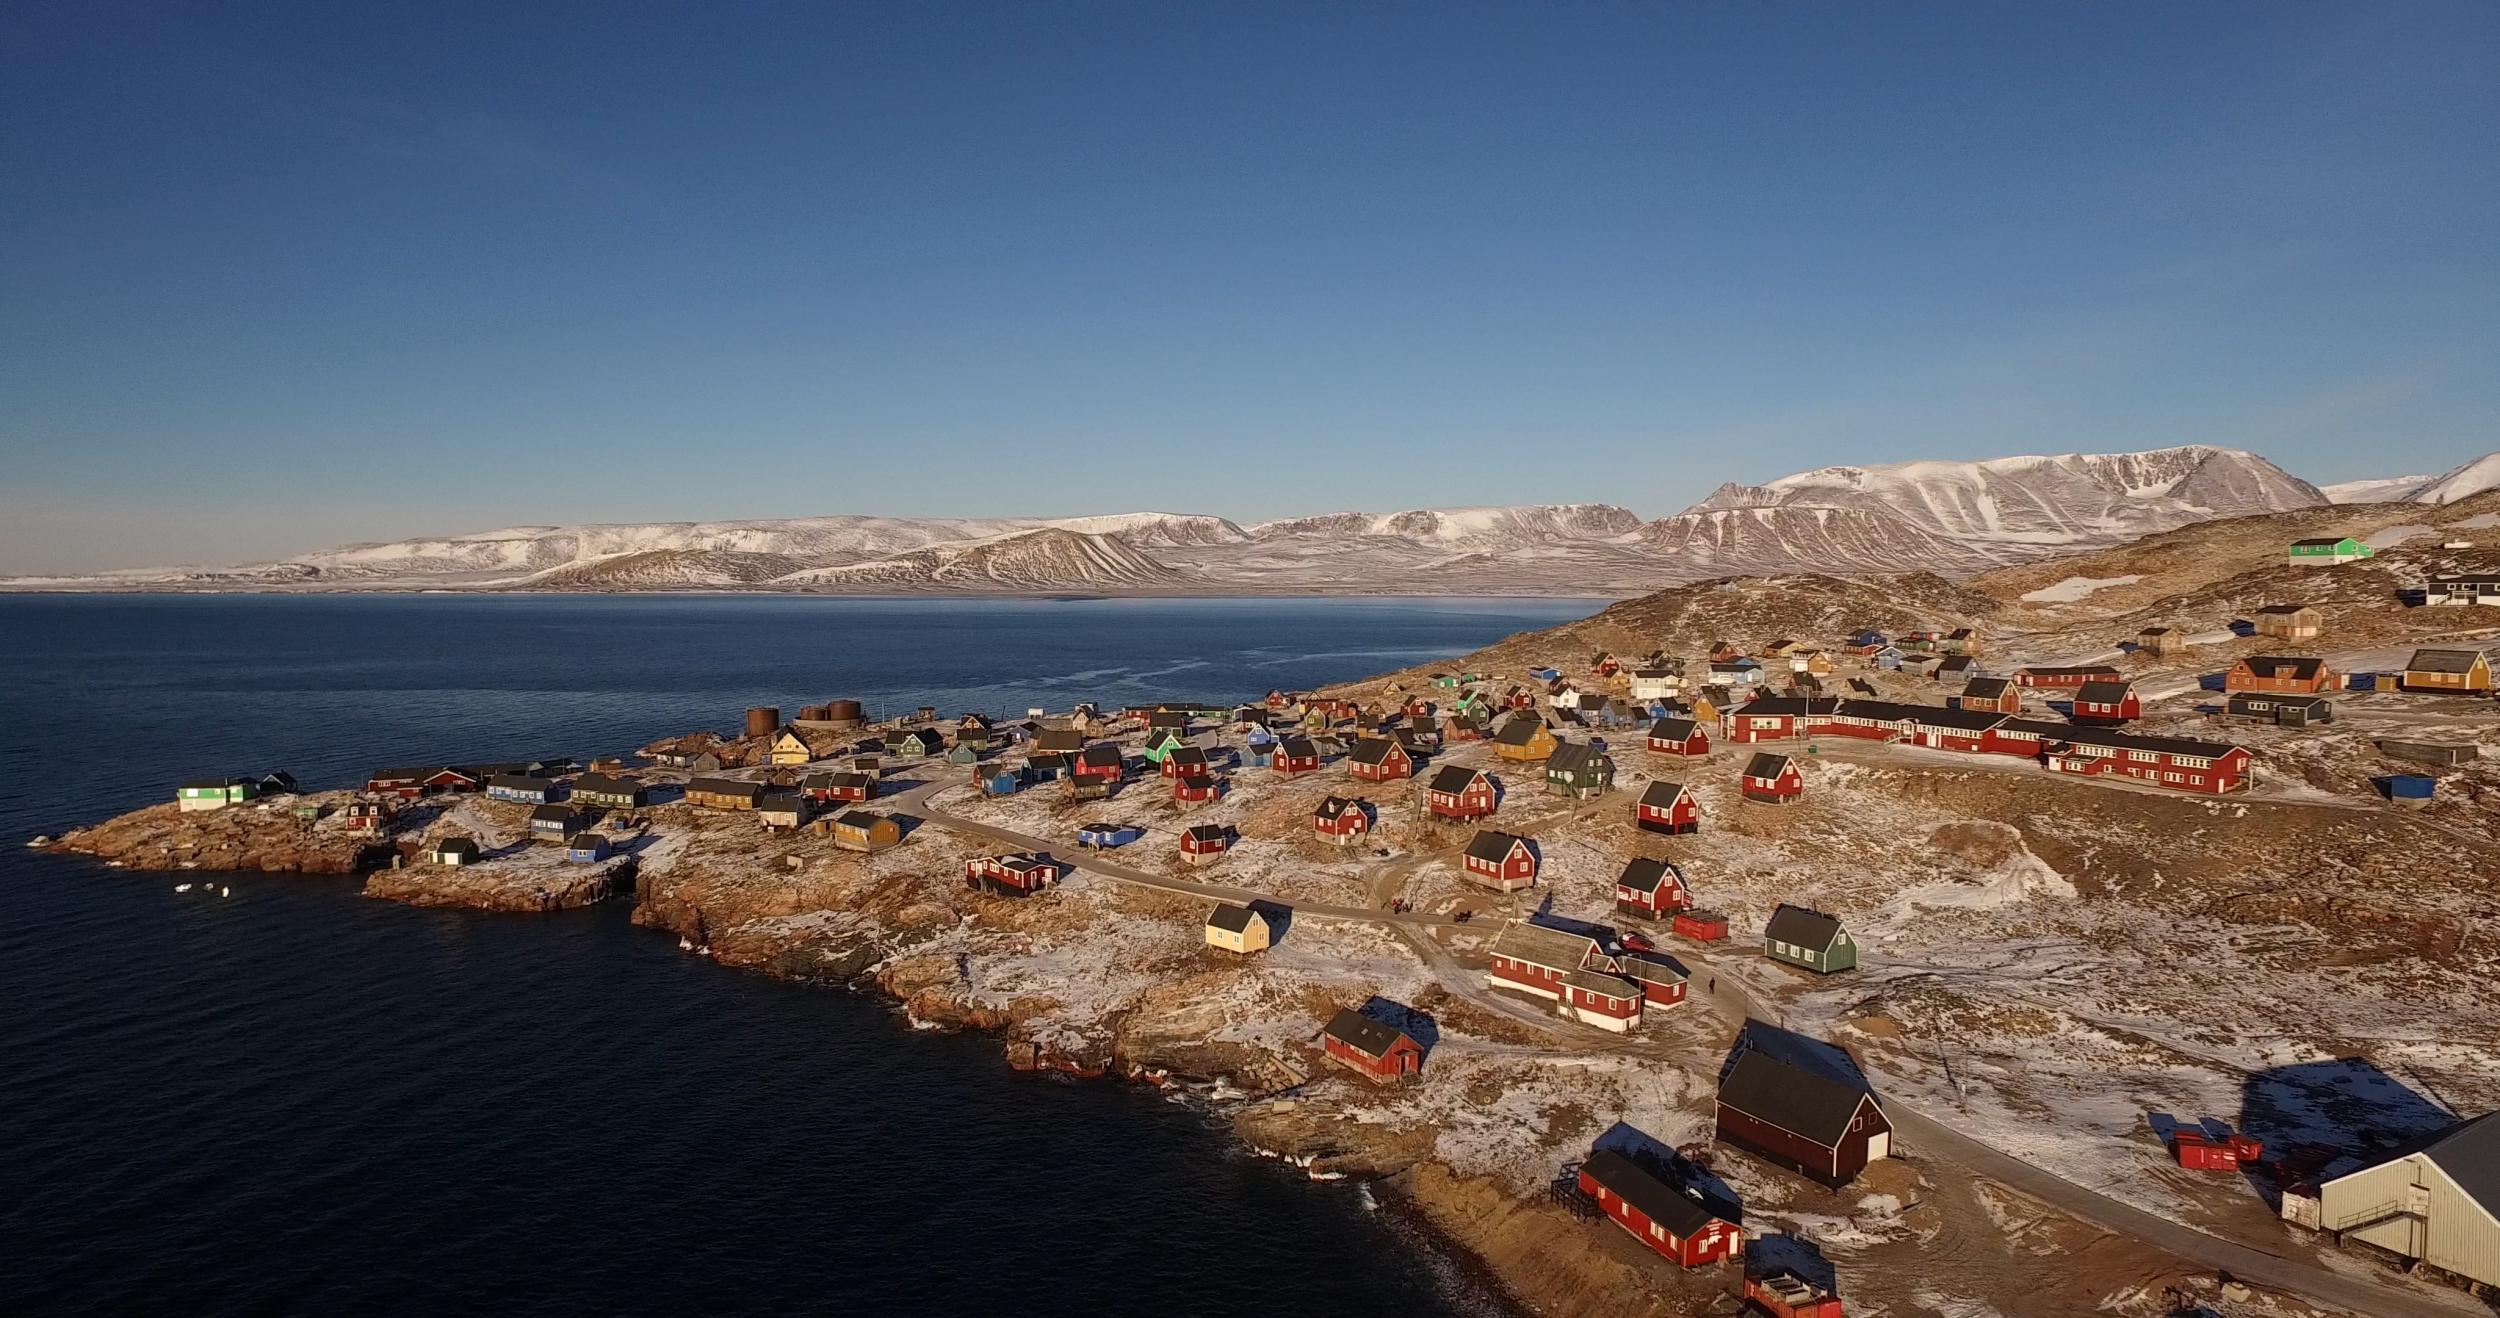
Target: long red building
[1661, 1216]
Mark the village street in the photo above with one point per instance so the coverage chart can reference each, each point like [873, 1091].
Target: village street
[2260, 1257]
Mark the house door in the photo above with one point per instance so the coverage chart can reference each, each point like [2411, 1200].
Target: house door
[1879, 1145]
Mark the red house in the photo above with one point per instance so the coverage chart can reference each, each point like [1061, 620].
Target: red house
[1801, 1103]
[1939, 728]
[1658, 1214]
[1202, 843]
[1380, 760]
[406, 784]
[1667, 807]
[453, 780]
[1185, 762]
[1773, 778]
[1342, 821]
[1663, 982]
[1499, 860]
[1296, 755]
[1678, 736]
[1418, 708]
[1520, 697]
[1652, 888]
[1603, 999]
[1099, 763]
[1995, 694]
[841, 785]
[2107, 702]
[1020, 874]
[1536, 958]
[1460, 793]
[1197, 787]
[1775, 718]
[1374, 1048]
[2064, 678]
[2172, 762]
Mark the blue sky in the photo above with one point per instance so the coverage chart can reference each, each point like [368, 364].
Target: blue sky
[278, 276]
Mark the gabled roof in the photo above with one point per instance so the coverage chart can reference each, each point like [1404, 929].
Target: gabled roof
[1453, 779]
[1234, 919]
[1644, 874]
[456, 846]
[1542, 945]
[1803, 927]
[1673, 729]
[1987, 688]
[1335, 808]
[2298, 668]
[1603, 983]
[1206, 832]
[859, 819]
[1577, 757]
[1519, 731]
[514, 782]
[1955, 720]
[2443, 661]
[1376, 750]
[1766, 765]
[1059, 739]
[1100, 755]
[738, 787]
[1298, 748]
[1804, 1086]
[1651, 967]
[783, 802]
[2282, 610]
[1492, 847]
[1661, 794]
[2105, 693]
[2136, 741]
[1369, 1037]
[554, 814]
[2469, 1152]
[1789, 706]
[1187, 755]
[2071, 670]
[600, 784]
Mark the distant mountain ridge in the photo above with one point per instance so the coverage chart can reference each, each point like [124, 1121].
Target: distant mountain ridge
[1947, 517]
[2463, 481]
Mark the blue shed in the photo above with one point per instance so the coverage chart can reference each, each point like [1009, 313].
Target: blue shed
[999, 782]
[1545, 674]
[2214, 681]
[1101, 836]
[2408, 786]
[587, 847]
[2243, 627]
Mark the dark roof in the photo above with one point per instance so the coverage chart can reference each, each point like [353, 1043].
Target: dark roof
[213, 784]
[600, 784]
[1576, 757]
[520, 782]
[1649, 1196]
[790, 801]
[1803, 927]
[1651, 967]
[2279, 610]
[1186, 755]
[1491, 847]
[2135, 741]
[1958, 720]
[738, 787]
[2323, 540]
[858, 819]
[554, 814]
[2469, 1152]
[1766, 765]
[2105, 693]
[1101, 753]
[1672, 729]
[1205, 832]
[1367, 1036]
[1643, 874]
[1334, 807]
[1543, 945]
[1453, 779]
[465, 846]
[1298, 748]
[1987, 688]
[1375, 750]
[1231, 918]
[2443, 661]
[1804, 1086]
[1520, 730]
[1059, 739]
[2300, 668]
[2093, 670]
[1661, 794]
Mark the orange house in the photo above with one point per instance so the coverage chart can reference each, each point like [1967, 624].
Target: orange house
[2279, 675]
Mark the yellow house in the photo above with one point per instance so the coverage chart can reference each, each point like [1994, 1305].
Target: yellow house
[859, 830]
[791, 748]
[1239, 929]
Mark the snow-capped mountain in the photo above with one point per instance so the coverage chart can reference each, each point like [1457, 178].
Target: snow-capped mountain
[1463, 529]
[2462, 482]
[1052, 558]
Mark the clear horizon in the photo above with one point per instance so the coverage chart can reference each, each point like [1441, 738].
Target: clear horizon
[279, 280]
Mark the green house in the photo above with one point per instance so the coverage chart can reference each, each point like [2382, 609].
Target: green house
[1810, 940]
[1582, 771]
[2327, 551]
[1162, 742]
[215, 793]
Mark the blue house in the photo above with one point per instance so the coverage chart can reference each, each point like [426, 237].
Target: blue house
[523, 788]
[1102, 836]
[1545, 674]
[998, 780]
[587, 847]
[1888, 657]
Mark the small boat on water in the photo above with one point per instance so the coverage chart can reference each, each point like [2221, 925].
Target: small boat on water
[182, 887]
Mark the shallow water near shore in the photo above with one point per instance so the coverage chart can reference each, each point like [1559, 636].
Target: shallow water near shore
[296, 1100]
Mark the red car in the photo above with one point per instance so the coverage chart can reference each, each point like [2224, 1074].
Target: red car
[1636, 943]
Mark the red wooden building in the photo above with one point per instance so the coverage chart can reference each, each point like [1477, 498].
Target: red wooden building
[1651, 888]
[1659, 1215]
[1668, 808]
[2279, 675]
[1380, 760]
[405, 784]
[2172, 762]
[1186, 762]
[1501, 861]
[1201, 843]
[839, 785]
[1678, 736]
[1098, 763]
[1342, 821]
[1373, 1048]
[1456, 792]
[1602, 998]
[1520, 697]
[1995, 694]
[1663, 981]
[1018, 874]
[2067, 678]
[2107, 702]
[1417, 707]
[1197, 788]
[1939, 728]
[1536, 958]
[1784, 1294]
[1773, 778]
[1296, 755]
[1776, 718]
[1801, 1103]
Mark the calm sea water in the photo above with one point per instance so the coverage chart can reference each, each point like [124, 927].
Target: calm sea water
[294, 1100]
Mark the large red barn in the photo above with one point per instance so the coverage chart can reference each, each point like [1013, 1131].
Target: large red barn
[1658, 1214]
[1373, 1048]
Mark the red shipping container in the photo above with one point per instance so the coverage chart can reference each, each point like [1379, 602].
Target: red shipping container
[1701, 926]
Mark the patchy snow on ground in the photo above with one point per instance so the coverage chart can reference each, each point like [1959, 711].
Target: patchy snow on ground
[2073, 589]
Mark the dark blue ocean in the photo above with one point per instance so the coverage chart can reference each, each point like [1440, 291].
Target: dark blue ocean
[297, 1101]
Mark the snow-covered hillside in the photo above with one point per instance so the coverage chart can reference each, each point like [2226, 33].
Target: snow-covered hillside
[1048, 559]
[1473, 529]
[2461, 482]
